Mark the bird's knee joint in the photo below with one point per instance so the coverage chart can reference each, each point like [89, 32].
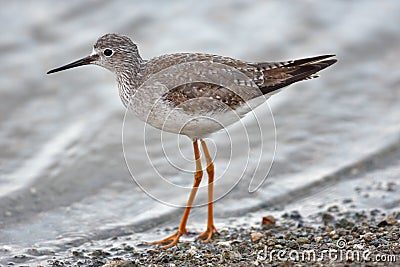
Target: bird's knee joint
[198, 175]
[210, 168]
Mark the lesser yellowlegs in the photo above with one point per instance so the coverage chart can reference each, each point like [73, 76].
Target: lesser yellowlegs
[193, 94]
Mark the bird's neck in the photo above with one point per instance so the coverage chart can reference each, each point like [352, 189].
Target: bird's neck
[128, 79]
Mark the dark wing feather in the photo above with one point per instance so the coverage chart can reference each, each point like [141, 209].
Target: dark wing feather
[280, 74]
[199, 97]
[268, 76]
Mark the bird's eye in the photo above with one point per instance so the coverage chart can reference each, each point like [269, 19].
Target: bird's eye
[108, 52]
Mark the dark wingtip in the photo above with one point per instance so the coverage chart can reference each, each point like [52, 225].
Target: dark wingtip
[318, 58]
[333, 59]
[311, 60]
[326, 63]
[306, 67]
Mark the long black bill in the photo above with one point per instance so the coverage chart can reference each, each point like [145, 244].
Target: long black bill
[84, 61]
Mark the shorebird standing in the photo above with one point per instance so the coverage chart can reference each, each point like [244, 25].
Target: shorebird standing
[195, 95]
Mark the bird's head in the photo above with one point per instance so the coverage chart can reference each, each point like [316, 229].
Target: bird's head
[114, 52]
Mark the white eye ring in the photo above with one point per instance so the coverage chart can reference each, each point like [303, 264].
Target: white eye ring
[108, 52]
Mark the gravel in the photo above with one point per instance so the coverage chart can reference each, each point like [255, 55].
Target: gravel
[327, 237]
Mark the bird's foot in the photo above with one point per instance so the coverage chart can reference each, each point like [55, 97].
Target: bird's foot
[172, 239]
[207, 234]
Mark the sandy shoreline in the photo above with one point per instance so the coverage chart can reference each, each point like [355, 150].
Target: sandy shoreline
[330, 236]
[335, 225]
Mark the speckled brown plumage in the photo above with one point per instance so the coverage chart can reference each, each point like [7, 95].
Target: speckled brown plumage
[267, 76]
[170, 90]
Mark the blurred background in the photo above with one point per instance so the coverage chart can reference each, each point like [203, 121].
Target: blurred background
[63, 175]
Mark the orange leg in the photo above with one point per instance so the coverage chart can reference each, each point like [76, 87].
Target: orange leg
[174, 238]
[206, 235]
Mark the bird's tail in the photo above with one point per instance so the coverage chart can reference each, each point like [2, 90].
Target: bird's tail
[280, 74]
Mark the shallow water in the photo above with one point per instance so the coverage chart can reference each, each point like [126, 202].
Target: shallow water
[63, 176]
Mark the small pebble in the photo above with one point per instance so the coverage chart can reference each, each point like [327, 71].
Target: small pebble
[303, 240]
[358, 246]
[192, 251]
[271, 242]
[368, 237]
[224, 244]
[256, 236]
[268, 221]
